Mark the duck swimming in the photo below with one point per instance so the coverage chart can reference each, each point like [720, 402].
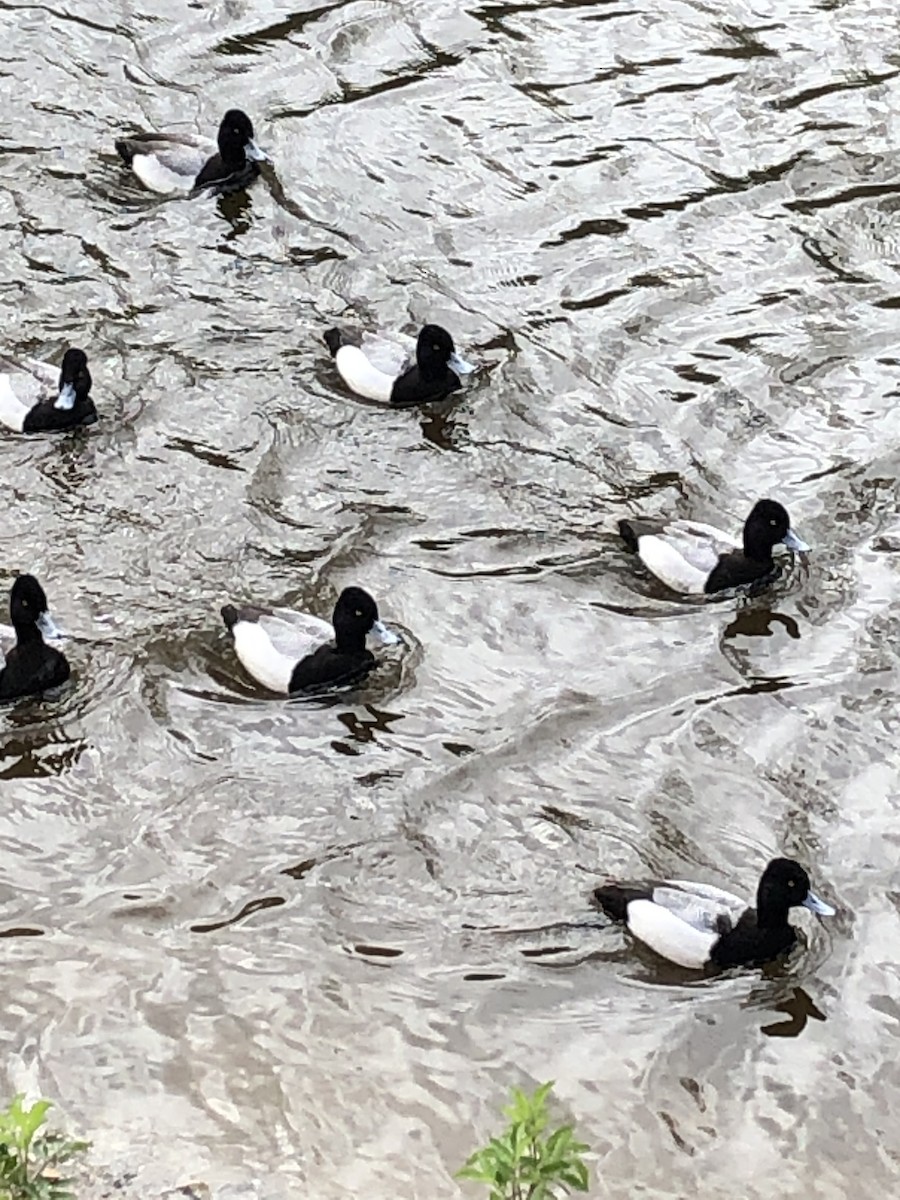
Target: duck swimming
[31, 666]
[699, 559]
[696, 925]
[36, 397]
[169, 163]
[434, 375]
[290, 652]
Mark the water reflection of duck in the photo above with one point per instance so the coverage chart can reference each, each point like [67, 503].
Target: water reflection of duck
[696, 925]
[290, 652]
[698, 559]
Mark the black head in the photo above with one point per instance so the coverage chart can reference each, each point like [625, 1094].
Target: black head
[784, 884]
[235, 134]
[74, 372]
[767, 525]
[434, 350]
[27, 601]
[354, 615]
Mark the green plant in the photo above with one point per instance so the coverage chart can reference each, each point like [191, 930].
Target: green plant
[522, 1164]
[29, 1161]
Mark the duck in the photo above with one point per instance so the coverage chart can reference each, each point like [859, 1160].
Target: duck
[169, 163]
[36, 397]
[290, 652]
[31, 665]
[434, 375]
[698, 926]
[698, 559]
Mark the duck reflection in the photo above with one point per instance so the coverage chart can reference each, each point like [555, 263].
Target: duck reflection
[797, 1008]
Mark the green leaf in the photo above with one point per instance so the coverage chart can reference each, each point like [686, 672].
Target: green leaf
[518, 1164]
[480, 1176]
[576, 1177]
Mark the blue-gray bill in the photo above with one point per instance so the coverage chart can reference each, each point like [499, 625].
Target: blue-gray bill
[48, 626]
[66, 398]
[814, 904]
[385, 635]
[459, 365]
[795, 543]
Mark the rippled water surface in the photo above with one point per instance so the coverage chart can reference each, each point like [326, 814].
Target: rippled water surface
[302, 949]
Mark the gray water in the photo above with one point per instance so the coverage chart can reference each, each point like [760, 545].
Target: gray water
[303, 949]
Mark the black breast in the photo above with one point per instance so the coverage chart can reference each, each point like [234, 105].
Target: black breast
[223, 178]
[747, 944]
[328, 667]
[736, 570]
[414, 388]
[30, 669]
[47, 418]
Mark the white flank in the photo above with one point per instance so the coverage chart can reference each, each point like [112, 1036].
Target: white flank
[159, 178]
[700, 905]
[361, 376]
[727, 901]
[668, 935]
[391, 354]
[260, 659]
[295, 634]
[12, 411]
[669, 565]
[722, 542]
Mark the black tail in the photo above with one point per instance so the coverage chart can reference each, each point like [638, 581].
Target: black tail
[125, 150]
[614, 899]
[333, 340]
[230, 616]
[629, 535]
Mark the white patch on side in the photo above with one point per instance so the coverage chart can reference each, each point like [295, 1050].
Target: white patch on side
[669, 936]
[361, 377]
[727, 901]
[260, 659]
[723, 542]
[700, 906]
[295, 634]
[392, 355]
[159, 178]
[669, 565]
[12, 411]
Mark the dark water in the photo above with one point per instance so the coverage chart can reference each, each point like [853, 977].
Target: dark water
[303, 949]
